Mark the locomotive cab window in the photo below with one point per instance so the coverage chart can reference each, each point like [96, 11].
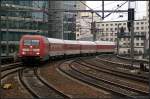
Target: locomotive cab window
[31, 42]
[35, 42]
[27, 42]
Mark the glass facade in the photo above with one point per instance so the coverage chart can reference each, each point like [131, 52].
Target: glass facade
[15, 24]
[69, 21]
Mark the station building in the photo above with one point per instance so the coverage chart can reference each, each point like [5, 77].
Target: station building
[108, 32]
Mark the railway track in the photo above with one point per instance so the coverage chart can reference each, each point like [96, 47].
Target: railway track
[106, 85]
[37, 86]
[10, 66]
[124, 61]
[113, 70]
[106, 77]
[10, 69]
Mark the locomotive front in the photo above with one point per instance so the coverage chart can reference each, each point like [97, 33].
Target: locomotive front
[29, 50]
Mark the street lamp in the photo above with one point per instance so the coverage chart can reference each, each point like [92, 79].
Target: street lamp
[118, 39]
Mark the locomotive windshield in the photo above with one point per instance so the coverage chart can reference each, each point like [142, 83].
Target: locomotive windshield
[31, 42]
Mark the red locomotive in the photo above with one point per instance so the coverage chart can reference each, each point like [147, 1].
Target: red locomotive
[37, 47]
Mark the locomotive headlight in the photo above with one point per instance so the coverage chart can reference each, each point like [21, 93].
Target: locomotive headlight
[37, 53]
[23, 53]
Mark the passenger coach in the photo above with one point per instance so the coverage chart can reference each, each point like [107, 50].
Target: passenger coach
[40, 48]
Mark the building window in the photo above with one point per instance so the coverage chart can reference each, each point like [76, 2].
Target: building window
[116, 24]
[137, 44]
[115, 29]
[137, 28]
[111, 24]
[142, 33]
[140, 52]
[124, 23]
[111, 39]
[142, 44]
[124, 52]
[124, 29]
[111, 29]
[142, 23]
[137, 23]
[106, 24]
[142, 38]
[106, 29]
[98, 25]
[128, 50]
[102, 24]
[142, 28]
[137, 38]
[129, 44]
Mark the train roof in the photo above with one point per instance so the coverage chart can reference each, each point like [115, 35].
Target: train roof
[71, 42]
[87, 43]
[54, 40]
[105, 42]
[32, 37]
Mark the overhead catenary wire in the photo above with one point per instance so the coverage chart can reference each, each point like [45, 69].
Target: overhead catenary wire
[116, 9]
[106, 4]
[91, 9]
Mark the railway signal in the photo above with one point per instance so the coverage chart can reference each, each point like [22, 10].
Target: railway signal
[130, 18]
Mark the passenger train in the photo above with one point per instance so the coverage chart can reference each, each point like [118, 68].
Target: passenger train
[41, 48]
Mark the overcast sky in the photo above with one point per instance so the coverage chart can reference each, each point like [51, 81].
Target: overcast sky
[140, 8]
